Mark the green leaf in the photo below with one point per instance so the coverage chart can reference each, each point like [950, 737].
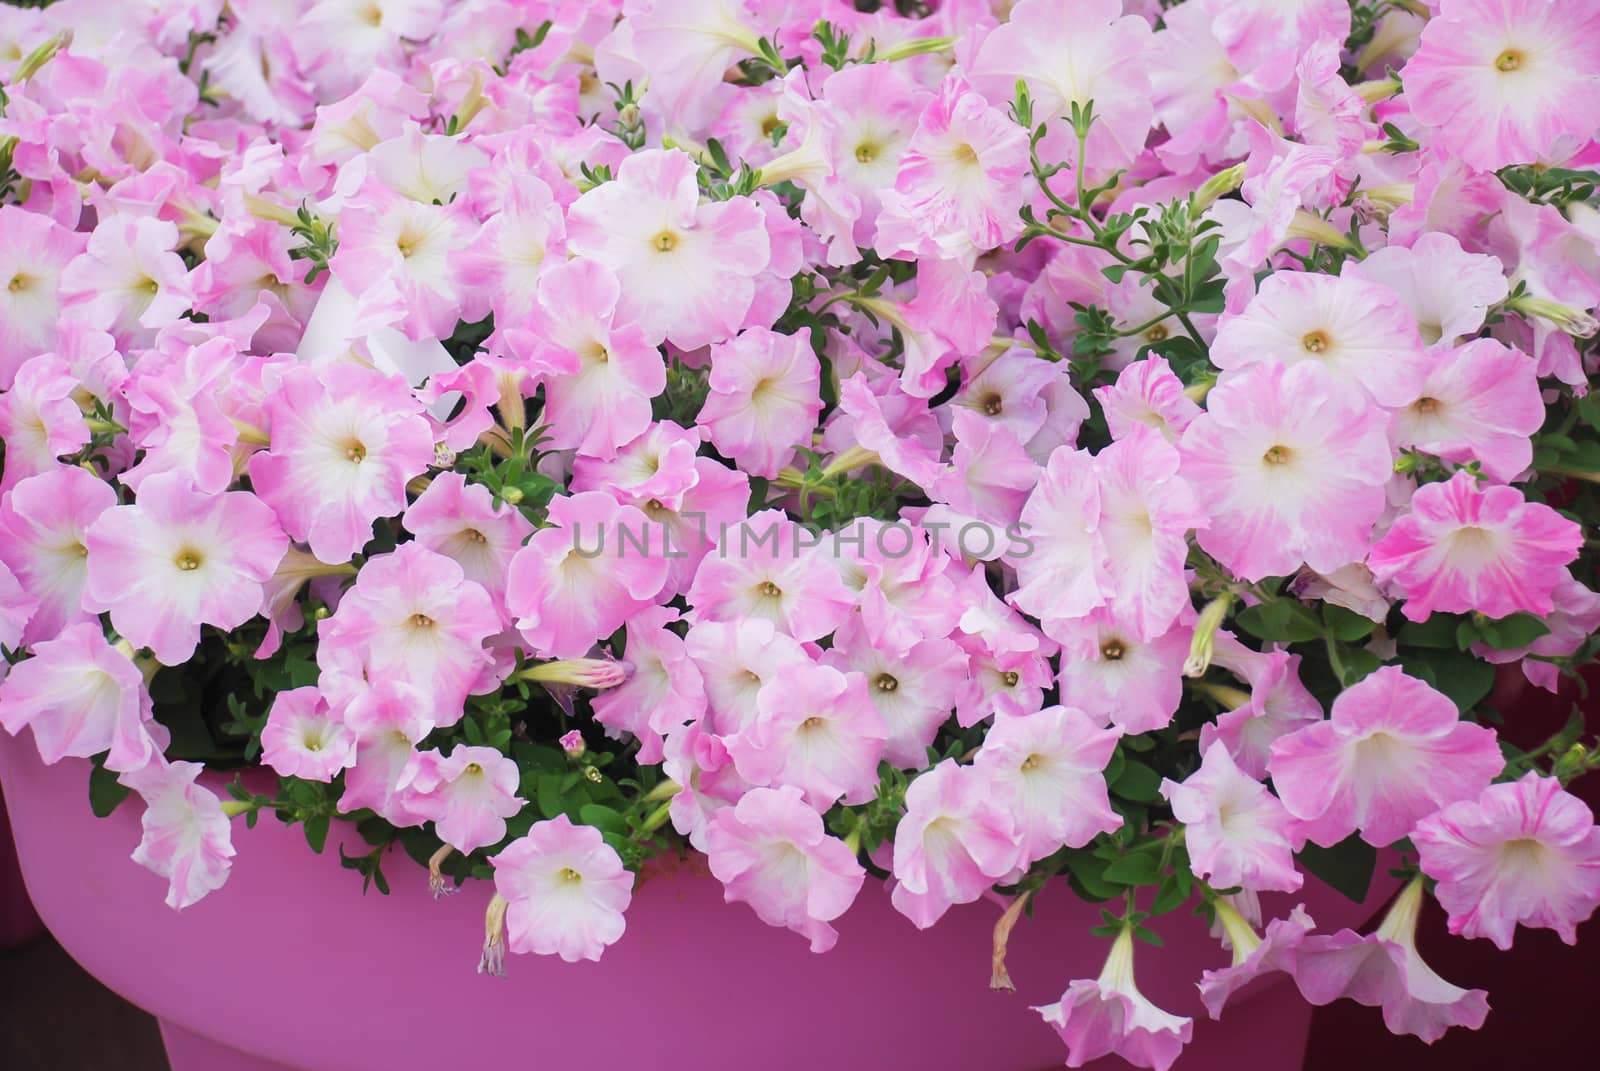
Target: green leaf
[1137, 782]
[1439, 630]
[317, 831]
[105, 791]
[1347, 866]
[1089, 873]
[1136, 868]
[548, 795]
[1517, 630]
[1279, 620]
[1347, 626]
[603, 818]
[1460, 676]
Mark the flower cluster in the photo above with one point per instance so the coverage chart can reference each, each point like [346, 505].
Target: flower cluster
[1100, 446]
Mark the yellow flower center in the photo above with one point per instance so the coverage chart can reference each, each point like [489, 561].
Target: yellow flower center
[1315, 342]
[886, 683]
[188, 560]
[1509, 60]
[1278, 455]
[665, 242]
[1112, 650]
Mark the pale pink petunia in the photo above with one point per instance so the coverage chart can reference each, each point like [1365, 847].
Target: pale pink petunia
[697, 760]
[1480, 402]
[1147, 394]
[1448, 290]
[467, 795]
[186, 838]
[40, 420]
[770, 850]
[43, 521]
[1092, 52]
[602, 369]
[1328, 110]
[502, 264]
[687, 269]
[1384, 969]
[354, 435]
[1280, 177]
[566, 888]
[389, 718]
[1357, 330]
[898, 575]
[685, 47]
[764, 399]
[16, 610]
[1291, 466]
[1065, 571]
[1575, 618]
[1267, 37]
[413, 618]
[1503, 82]
[770, 567]
[814, 729]
[1393, 751]
[302, 738]
[658, 466]
[578, 580]
[1525, 852]
[394, 258]
[81, 697]
[1108, 672]
[1048, 769]
[1466, 549]
[913, 689]
[1253, 955]
[1109, 1016]
[345, 39]
[177, 559]
[461, 521]
[954, 842]
[1277, 703]
[665, 691]
[892, 424]
[33, 252]
[737, 659]
[181, 417]
[959, 187]
[1238, 834]
[989, 482]
[1146, 513]
[128, 280]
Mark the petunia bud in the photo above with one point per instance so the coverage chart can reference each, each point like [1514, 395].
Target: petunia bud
[583, 672]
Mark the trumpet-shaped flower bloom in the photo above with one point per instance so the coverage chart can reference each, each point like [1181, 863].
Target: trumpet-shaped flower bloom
[1110, 1016]
[764, 398]
[40, 420]
[955, 841]
[461, 521]
[1480, 402]
[1464, 549]
[566, 890]
[302, 739]
[1393, 751]
[187, 838]
[33, 253]
[771, 851]
[814, 729]
[1237, 833]
[177, 559]
[664, 692]
[467, 795]
[1253, 955]
[912, 689]
[1448, 290]
[687, 269]
[1525, 852]
[1291, 465]
[345, 441]
[43, 525]
[765, 569]
[81, 697]
[1502, 82]
[1048, 769]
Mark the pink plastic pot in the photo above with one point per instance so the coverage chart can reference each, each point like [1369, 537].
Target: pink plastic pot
[290, 966]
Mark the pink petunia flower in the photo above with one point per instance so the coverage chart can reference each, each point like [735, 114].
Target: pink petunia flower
[128, 280]
[1291, 465]
[1502, 82]
[413, 619]
[912, 689]
[580, 579]
[959, 187]
[1048, 768]
[665, 691]
[461, 521]
[1526, 852]
[736, 660]
[1393, 751]
[43, 521]
[81, 696]
[1277, 703]
[352, 434]
[177, 559]
[687, 269]
[764, 398]
[770, 850]
[40, 420]
[767, 568]
[467, 795]
[566, 889]
[1448, 290]
[33, 253]
[1253, 956]
[1108, 672]
[394, 258]
[1358, 330]
[814, 729]
[302, 739]
[954, 842]
[1464, 549]
[1384, 969]
[1110, 1016]
[1238, 833]
[187, 837]
[1147, 394]
[1480, 402]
